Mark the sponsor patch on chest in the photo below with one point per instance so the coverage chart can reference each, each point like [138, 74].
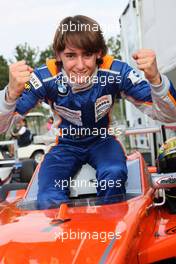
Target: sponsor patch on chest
[102, 106]
[73, 116]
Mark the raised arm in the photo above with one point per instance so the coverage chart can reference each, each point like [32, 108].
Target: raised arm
[20, 95]
[155, 95]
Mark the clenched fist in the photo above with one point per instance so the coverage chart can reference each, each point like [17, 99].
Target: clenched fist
[146, 61]
[19, 74]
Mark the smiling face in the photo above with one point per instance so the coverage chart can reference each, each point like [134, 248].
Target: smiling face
[79, 49]
[78, 64]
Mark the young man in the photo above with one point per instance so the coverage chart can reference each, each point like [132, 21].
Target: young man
[81, 86]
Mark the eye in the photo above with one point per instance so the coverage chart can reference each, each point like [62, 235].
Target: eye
[70, 55]
[88, 54]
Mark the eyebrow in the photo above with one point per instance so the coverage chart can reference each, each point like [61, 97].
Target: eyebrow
[66, 52]
[70, 50]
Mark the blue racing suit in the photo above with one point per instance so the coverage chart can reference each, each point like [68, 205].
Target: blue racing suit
[82, 114]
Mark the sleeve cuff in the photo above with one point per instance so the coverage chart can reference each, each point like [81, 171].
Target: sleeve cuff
[161, 90]
[5, 105]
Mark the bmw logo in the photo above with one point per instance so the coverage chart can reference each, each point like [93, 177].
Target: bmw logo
[62, 88]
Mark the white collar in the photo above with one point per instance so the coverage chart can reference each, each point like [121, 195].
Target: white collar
[76, 87]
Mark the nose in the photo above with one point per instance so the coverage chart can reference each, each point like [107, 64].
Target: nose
[80, 63]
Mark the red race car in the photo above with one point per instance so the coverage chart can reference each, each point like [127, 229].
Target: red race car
[139, 229]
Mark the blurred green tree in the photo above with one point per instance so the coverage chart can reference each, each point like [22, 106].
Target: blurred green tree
[114, 46]
[25, 52]
[4, 75]
[45, 54]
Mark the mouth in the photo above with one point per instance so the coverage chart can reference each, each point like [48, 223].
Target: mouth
[80, 77]
[81, 73]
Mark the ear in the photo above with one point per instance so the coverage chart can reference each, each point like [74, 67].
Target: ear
[99, 54]
[58, 58]
[99, 59]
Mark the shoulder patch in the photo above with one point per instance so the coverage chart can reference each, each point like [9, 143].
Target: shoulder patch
[135, 77]
[35, 81]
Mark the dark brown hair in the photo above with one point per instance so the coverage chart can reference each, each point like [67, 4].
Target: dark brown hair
[80, 32]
